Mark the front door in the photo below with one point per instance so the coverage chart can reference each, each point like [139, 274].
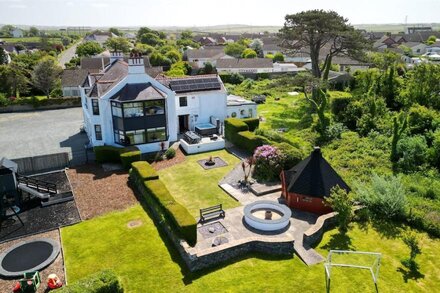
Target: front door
[183, 123]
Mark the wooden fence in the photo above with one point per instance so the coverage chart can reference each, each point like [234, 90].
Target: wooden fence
[31, 165]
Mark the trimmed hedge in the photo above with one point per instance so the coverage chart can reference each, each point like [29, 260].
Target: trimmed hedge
[103, 282]
[232, 127]
[252, 123]
[112, 154]
[174, 213]
[129, 156]
[290, 155]
[144, 171]
[250, 141]
[107, 154]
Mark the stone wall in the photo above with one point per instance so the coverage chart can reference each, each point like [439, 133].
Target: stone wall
[48, 104]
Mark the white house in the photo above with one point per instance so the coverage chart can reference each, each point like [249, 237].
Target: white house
[239, 107]
[17, 33]
[123, 105]
[417, 48]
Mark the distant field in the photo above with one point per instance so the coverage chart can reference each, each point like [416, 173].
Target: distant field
[27, 39]
[392, 28]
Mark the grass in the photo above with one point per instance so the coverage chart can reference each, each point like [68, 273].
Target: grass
[197, 188]
[146, 263]
[27, 40]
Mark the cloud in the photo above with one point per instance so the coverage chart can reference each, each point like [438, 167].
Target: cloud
[18, 6]
[70, 3]
[99, 4]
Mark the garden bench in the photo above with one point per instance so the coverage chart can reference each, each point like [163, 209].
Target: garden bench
[211, 212]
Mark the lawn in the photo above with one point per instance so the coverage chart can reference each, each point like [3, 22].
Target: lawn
[141, 257]
[197, 188]
[28, 40]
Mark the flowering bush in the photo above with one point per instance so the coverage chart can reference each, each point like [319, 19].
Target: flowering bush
[268, 163]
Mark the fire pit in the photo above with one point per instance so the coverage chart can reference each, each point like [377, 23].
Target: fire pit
[267, 215]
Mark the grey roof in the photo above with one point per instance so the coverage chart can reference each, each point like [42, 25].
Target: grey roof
[412, 44]
[111, 76]
[96, 64]
[272, 47]
[245, 63]
[138, 92]
[205, 53]
[73, 77]
[436, 44]
[344, 60]
[313, 176]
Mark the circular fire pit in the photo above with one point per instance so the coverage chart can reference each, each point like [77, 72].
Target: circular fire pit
[267, 215]
[28, 256]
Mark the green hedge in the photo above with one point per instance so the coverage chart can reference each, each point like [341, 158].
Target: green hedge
[290, 155]
[252, 123]
[232, 127]
[249, 141]
[174, 213]
[129, 156]
[102, 282]
[107, 154]
[111, 154]
[144, 171]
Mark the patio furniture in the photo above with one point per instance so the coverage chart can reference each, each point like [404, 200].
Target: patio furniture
[211, 212]
[30, 282]
[191, 137]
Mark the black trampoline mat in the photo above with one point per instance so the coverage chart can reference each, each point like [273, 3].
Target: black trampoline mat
[27, 256]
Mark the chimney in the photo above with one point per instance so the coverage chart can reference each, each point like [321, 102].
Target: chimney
[136, 64]
[114, 56]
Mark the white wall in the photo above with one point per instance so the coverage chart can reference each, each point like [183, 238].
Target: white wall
[242, 108]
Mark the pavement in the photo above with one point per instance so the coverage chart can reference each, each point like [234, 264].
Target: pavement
[28, 134]
[67, 55]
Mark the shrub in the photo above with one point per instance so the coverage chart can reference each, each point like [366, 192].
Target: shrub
[339, 105]
[102, 282]
[385, 197]
[272, 135]
[170, 153]
[420, 119]
[335, 130]
[234, 78]
[252, 123]
[144, 171]
[341, 202]
[249, 141]
[232, 127]
[268, 163]
[290, 155]
[129, 156]
[107, 154]
[412, 152]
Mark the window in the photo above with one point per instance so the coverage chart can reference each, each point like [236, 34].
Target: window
[135, 137]
[95, 106]
[242, 112]
[117, 109]
[119, 137]
[306, 199]
[154, 107]
[98, 132]
[183, 101]
[156, 134]
[133, 109]
[234, 114]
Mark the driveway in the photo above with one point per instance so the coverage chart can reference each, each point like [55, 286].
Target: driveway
[42, 132]
[67, 55]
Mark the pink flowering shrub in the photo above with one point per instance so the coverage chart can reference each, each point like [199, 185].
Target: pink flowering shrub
[268, 163]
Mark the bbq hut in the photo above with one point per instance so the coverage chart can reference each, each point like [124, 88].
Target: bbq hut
[306, 185]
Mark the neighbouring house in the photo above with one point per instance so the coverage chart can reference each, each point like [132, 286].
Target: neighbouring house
[72, 80]
[99, 37]
[239, 107]
[306, 185]
[434, 48]
[98, 63]
[17, 33]
[349, 64]
[207, 41]
[130, 36]
[285, 67]
[271, 49]
[203, 56]
[417, 48]
[243, 66]
[123, 105]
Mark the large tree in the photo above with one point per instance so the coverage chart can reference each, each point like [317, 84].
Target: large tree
[45, 75]
[89, 48]
[314, 30]
[118, 44]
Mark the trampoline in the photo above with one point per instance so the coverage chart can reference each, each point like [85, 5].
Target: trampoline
[28, 256]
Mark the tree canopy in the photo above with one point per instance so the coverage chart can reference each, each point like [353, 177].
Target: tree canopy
[88, 49]
[45, 75]
[315, 29]
[118, 44]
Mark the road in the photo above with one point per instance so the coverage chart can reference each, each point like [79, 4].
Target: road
[68, 54]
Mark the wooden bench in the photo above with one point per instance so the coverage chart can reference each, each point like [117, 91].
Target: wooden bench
[211, 212]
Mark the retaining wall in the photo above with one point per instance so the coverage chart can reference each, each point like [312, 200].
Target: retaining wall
[31, 165]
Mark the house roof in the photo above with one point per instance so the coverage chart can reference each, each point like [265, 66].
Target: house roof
[245, 63]
[73, 77]
[111, 77]
[187, 84]
[138, 92]
[313, 177]
[436, 44]
[272, 47]
[96, 64]
[205, 53]
[413, 44]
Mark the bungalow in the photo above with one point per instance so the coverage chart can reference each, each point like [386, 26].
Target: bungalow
[271, 49]
[123, 105]
[239, 107]
[99, 37]
[306, 185]
[255, 65]
[203, 56]
[72, 80]
[434, 48]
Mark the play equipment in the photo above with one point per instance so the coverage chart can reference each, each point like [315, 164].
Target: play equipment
[29, 284]
[28, 256]
[53, 282]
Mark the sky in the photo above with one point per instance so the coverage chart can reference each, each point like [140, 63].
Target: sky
[206, 12]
